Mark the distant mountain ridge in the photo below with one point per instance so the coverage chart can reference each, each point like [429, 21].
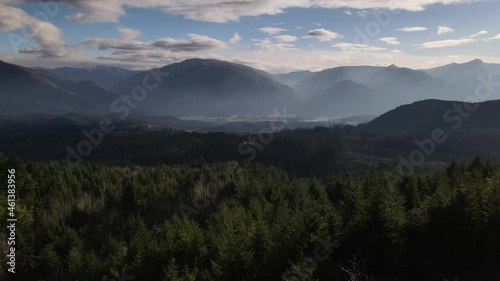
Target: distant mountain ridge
[292, 79]
[105, 76]
[372, 90]
[207, 87]
[23, 90]
[463, 79]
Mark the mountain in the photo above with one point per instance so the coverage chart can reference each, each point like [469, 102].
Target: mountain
[463, 79]
[323, 81]
[399, 86]
[292, 79]
[367, 89]
[23, 90]
[343, 98]
[104, 76]
[200, 87]
[456, 73]
[427, 115]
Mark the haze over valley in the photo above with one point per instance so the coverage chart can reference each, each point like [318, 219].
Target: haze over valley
[198, 87]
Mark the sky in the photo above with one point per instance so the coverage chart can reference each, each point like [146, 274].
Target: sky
[272, 35]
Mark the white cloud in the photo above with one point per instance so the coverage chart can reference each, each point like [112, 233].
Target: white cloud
[49, 38]
[497, 37]
[286, 38]
[444, 29]
[457, 42]
[396, 51]
[268, 45]
[363, 13]
[347, 12]
[317, 23]
[127, 42]
[390, 40]
[272, 30]
[323, 35]
[224, 10]
[357, 47]
[446, 43]
[236, 39]
[412, 29]
[195, 43]
[483, 32]
[127, 49]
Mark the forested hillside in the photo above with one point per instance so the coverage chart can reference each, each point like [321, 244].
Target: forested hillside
[228, 221]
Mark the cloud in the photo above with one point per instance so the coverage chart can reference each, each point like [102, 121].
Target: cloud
[456, 42]
[317, 23]
[444, 29]
[323, 35]
[272, 30]
[347, 12]
[195, 43]
[127, 42]
[390, 40]
[223, 10]
[363, 13]
[268, 45]
[446, 43]
[412, 29]
[236, 39]
[127, 49]
[146, 59]
[286, 38]
[358, 47]
[396, 51]
[48, 37]
[497, 37]
[483, 32]
[129, 33]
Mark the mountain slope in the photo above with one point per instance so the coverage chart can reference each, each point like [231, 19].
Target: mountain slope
[427, 115]
[345, 98]
[211, 87]
[399, 86]
[463, 79]
[323, 81]
[23, 90]
[456, 73]
[292, 79]
[372, 90]
[104, 76]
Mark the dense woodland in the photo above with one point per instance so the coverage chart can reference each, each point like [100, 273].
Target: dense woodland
[304, 152]
[235, 221]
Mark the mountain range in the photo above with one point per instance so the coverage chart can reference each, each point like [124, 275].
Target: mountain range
[105, 76]
[200, 87]
[24, 90]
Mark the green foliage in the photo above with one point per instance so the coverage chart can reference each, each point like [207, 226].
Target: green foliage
[254, 222]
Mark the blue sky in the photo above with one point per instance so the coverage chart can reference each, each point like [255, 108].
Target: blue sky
[275, 35]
